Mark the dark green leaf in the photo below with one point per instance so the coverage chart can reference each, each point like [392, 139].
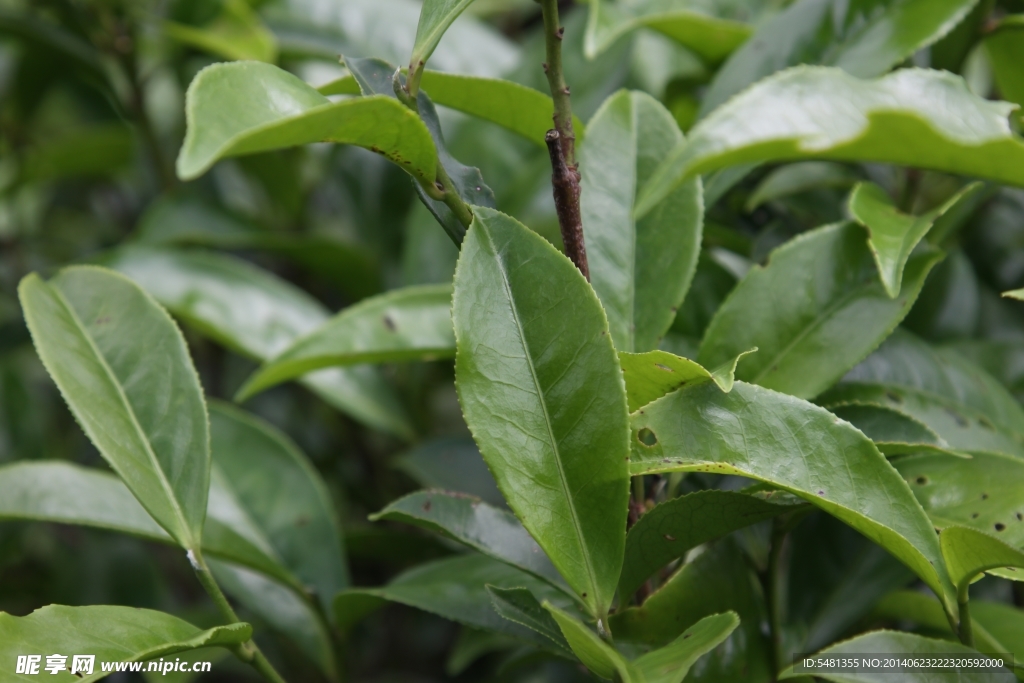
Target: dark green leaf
[451, 464]
[947, 393]
[257, 314]
[112, 634]
[639, 269]
[894, 234]
[825, 113]
[121, 364]
[472, 522]
[797, 447]
[520, 606]
[894, 433]
[530, 333]
[800, 177]
[87, 151]
[235, 33]
[1005, 48]
[671, 529]
[413, 323]
[894, 643]
[651, 375]
[814, 311]
[246, 107]
[865, 38]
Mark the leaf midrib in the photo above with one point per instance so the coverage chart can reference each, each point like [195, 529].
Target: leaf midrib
[112, 377]
[588, 562]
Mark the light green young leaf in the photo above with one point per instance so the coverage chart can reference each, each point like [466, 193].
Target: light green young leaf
[797, 447]
[814, 311]
[951, 396]
[969, 553]
[599, 657]
[246, 107]
[892, 233]
[651, 375]
[435, 18]
[413, 323]
[512, 106]
[639, 269]
[258, 315]
[671, 529]
[112, 634]
[279, 493]
[520, 606]
[825, 113]
[476, 524]
[121, 364]
[455, 588]
[800, 177]
[898, 644]
[236, 33]
[864, 38]
[697, 26]
[1017, 294]
[530, 333]
[1005, 49]
[983, 493]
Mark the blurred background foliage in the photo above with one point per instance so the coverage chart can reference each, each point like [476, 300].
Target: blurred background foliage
[91, 117]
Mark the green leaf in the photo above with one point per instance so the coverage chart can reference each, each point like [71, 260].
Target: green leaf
[794, 446]
[121, 364]
[639, 269]
[281, 495]
[825, 113]
[530, 333]
[983, 493]
[282, 610]
[720, 579]
[892, 431]
[246, 107]
[258, 315]
[512, 106]
[454, 588]
[98, 150]
[865, 38]
[520, 606]
[476, 524]
[697, 27]
[435, 18]
[375, 77]
[947, 393]
[800, 177]
[1005, 50]
[670, 530]
[897, 644]
[669, 664]
[451, 464]
[1017, 294]
[112, 634]
[235, 33]
[894, 234]
[651, 375]
[814, 311]
[969, 553]
[407, 324]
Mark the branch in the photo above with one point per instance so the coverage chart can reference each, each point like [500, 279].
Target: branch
[561, 142]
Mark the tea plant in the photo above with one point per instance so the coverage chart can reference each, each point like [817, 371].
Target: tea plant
[728, 340]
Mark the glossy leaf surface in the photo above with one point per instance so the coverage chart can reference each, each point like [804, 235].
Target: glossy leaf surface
[470, 521]
[121, 364]
[947, 393]
[112, 634]
[639, 269]
[970, 552]
[671, 529]
[893, 234]
[795, 446]
[865, 38]
[895, 643]
[454, 588]
[807, 342]
[530, 335]
[407, 324]
[651, 375]
[258, 315]
[825, 113]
